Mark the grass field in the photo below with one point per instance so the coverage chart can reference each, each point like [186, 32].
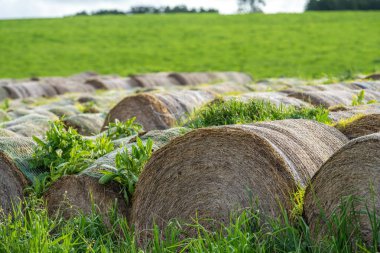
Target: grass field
[303, 45]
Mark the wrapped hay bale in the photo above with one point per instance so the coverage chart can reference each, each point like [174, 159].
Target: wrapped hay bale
[360, 125]
[7, 133]
[66, 85]
[86, 124]
[373, 77]
[28, 125]
[276, 98]
[158, 110]
[29, 89]
[209, 77]
[223, 88]
[64, 111]
[330, 98]
[324, 87]
[15, 172]
[238, 77]
[212, 172]
[346, 112]
[152, 80]
[375, 85]
[76, 193]
[109, 83]
[354, 170]
[3, 93]
[18, 113]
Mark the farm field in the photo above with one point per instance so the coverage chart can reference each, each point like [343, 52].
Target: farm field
[310, 45]
[189, 162]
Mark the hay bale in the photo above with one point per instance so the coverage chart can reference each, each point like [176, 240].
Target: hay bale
[28, 125]
[29, 89]
[64, 111]
[66, 85]
[152, 80]
[360, 126]
[158, 110]
[77, 190]
[225, 87]
[7, 133]
[14, 114]
[75, 194]
[330, 98]
[324, 87]
[373, 77]
[375, 85]
[86, 124]
[346, 112]
[109, 83]
[210, 77]
[353, 170]
[213, 171]
[15, 157]
[276, 98]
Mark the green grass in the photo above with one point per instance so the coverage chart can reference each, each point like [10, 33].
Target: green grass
[238, 112]
[30, 229]
[304, 45]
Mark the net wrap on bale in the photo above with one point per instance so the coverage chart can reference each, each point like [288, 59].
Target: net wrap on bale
[214, 171]
[354, 170]
[158, 110]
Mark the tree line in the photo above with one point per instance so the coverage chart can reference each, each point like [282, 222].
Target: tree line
[149, 10]
[324, 5]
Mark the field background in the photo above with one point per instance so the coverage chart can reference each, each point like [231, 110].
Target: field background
[297, 45]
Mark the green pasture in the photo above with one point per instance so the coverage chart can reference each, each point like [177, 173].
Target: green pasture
[296, 45]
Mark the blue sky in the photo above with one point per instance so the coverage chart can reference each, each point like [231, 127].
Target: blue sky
[58, 8]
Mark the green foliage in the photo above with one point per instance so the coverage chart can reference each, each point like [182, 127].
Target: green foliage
[117, 129]
[303, 45]
[30, 229]
[358, 99]
[64, 152]
[5, 105]
[128, 167]
[239, 112]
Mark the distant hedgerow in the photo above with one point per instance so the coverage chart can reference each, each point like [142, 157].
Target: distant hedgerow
[234, 111]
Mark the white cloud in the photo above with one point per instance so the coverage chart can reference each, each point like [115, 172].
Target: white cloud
[59, 8]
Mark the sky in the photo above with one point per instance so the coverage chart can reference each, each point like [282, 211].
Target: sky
[10, 9]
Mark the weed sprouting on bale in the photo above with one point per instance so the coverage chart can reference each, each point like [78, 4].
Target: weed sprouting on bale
[128, 167]
[117, 129]
[63, 151]
[239, 112]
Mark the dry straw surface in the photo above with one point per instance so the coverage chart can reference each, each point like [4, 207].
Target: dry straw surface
[15, 157]
[158, 110]
[214, 171]
[353, 170]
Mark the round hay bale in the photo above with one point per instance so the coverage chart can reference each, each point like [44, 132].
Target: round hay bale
[375, 85]
[15, 157]
[18, 113]
[238, 77]
[109, 83]
[346, 112]
[373, 77]
[276, 98]
[28, 125]
[353, 170]
[152, 80]
[75, 194]
[86, 124]
[159, 110]
[214, 171]
[330, 98]
[78, 190]
[7, 133]
[65, 111]
[65, 85]
[3, 93]
[223, 88]
[361, 126]
[196, 78]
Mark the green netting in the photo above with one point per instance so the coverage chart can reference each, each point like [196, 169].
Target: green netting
[159, 137]
[20, 151]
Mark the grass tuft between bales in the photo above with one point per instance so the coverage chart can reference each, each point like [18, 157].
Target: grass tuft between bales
[238, 112]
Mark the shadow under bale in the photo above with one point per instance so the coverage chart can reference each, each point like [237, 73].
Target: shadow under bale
[158, 110]
[360, 126]
[354, 170]
[211, 172]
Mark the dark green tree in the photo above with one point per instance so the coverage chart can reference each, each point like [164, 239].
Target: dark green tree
[251, 5]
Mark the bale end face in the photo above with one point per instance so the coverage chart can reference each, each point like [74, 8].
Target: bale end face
[149, 111]
[12, 184]
[72, 195]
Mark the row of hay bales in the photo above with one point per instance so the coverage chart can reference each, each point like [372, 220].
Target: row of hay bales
[89, 82]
